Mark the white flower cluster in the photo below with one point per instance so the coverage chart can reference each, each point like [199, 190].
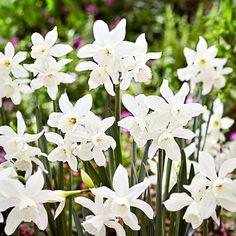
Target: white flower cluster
[203, 66]
[46, 69]
[115, 61]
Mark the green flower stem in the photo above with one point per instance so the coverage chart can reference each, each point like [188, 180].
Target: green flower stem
[133, 170]
[42, 141]
[3, 114]
[70, 204]
[205, 227]
[159, 219]
[118, 154]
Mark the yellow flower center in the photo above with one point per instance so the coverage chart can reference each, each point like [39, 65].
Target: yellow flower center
[7, 63]
[72, 120]
[202, 61]
[216, 123]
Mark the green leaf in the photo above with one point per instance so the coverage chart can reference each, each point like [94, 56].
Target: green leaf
[77, 223]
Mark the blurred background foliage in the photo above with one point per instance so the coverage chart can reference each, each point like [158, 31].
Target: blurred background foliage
[169, 27]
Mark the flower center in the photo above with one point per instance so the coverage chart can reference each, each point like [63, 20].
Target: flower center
[72, 120]
[202, 61]
[7, 63]
[216, 123]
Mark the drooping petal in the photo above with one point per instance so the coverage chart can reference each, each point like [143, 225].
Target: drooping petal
[144, 207]
[99, 157]
[59, 208]
[42, 218]
[118, 228]
[132, 221]
[13, 221]
[177, 201]
[87, 203]
[121, 181]
[21, 127]
[52, 92]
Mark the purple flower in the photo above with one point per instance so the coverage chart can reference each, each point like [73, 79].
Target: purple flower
[15, 41]
[8, 105]
[109, 2]
[78, 42]
[232, 135]
[2, 155]
[91, 8]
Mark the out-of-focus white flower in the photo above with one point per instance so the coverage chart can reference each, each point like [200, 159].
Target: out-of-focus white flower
[164, 139]
[64, 150]
[9, 62]
[203, 66]
[13, 142]
[70, 116]
[102, 216]
[23, 159]
[123, 198]
[13, 88]
[49, 75]
[135, 66]
[136, 124]
[172, 108]
[27, 202]
[93, 140]
[217, 121]
[45, 46]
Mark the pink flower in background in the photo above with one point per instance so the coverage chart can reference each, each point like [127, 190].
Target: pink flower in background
[78, 42]
[232, 135]
[116, 22]
[25, 231]
[91, 8]
[8, 105]
[15, 41]
[2, 155]
[109, 2]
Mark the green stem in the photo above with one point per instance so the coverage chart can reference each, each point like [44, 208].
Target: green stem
[118, 154]
[70, 205]
[205, 227]
[133, 170]
[159, 219]
[167, 182]
[3, 114]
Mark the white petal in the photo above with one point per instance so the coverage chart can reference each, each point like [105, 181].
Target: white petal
[143, 206]
[21, 127]
[166, 92]
[121, 181]
[54, 138]
[182, 93]
[19, 71]
[19, 57]
[118, 33]
[36, 83]
[226, 123]
[107, 123]
[227, 167]
[136, 190]
[65, 104]
[88, 50]
[132, 221]
[172, 150]
[42, 220]
[207, 165]
[190, 55]
[118, 228]
[100, 30]
[109, 87]
[31, 185]
[51, 37]
[177, 201]
[84, 104]
[59, 209]
[54, 119]
[99, 157]
[52, 92]
[86, 65]
[60, 50]
[202, 45]
[48, 196]
[87, 203]
[13, 221]
[183, 133]
[37, 39]
[9, 50]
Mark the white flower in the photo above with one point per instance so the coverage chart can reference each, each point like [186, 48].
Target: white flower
[49, 75]
[64, 150]
[217, 121]
[27, 202]
[135, 66]
[9, 62]
[23, 159]
[164, 139]
[136, 124]
[13, 88]
[100, 75]
[171, 108]
[13, 142]
[93, 140]
[96, 224]
[45, 47]
[203, 66]
[71, 116]
[123, 198]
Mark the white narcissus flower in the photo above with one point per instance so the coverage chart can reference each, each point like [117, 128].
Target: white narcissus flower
[70, 116]
[221, 189]
[9, 62]
[49, 75]
[23, 159]
[217, 121]
[64, 150]
[13, 88]
[136, 124]
[45, 46]
[165, 139]
[27, 202]
[96, 224]
[203, 66]
[135, 66]
[13, 142]
[93, 140]
[172, 108]
[100, 75]
[123, 198]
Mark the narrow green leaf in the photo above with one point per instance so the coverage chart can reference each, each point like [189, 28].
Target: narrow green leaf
[77, 223]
